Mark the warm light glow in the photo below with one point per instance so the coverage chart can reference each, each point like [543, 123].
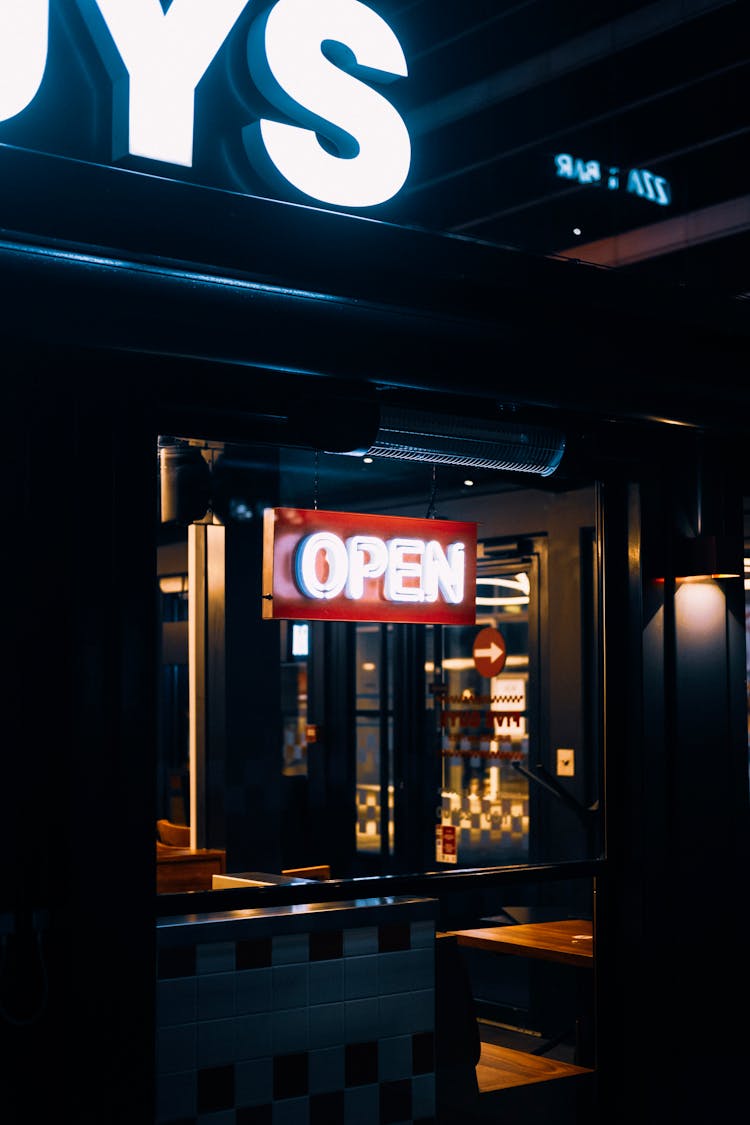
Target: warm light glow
[464, 663]
[682, 578]
[700, 609]
[23, 53]
[458, 663]
[173, 584]
[300, 640]
[164, 54]
[368, 666]
[291, 71]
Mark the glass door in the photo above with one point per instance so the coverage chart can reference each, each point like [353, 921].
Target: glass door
[483, 692]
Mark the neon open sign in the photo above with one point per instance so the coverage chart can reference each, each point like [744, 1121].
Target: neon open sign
[349, 566]
[314, 64]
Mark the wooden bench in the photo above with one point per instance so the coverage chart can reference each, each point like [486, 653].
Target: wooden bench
[499, 1068]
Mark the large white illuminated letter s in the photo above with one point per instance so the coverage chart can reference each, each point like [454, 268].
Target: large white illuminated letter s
[164, 55]
[288, 64]
[24, 30]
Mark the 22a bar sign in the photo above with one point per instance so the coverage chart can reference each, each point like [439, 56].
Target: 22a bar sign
[351, 566]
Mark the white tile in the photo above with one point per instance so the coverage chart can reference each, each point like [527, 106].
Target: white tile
[361, 976]
[407, 1012]
[252, 1036]
[326, 980]
[216, 1042]
[252, 991]
[289, 1031]
[360, 941]
[216, 996]
[361, 1020]
[395, 1058]
[176, 1001]
[326, 1025]
[175, 1096]
[176, 1049]
[215, 957]
[218, 1117]
[289, 986]
[288, 949]
[291, 1111]
[423, 1095]
[362, 1105]
[422, 935]
[327, 1070]
[254, 1081]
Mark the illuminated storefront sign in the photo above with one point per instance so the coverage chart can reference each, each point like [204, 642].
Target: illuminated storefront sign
[350, 566]
[312, 63]
[639, 181]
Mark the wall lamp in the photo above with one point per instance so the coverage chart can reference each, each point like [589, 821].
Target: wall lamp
[703, 557]
[708, 556]
[407, 434]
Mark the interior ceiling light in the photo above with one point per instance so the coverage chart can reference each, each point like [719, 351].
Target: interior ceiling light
[414, 435]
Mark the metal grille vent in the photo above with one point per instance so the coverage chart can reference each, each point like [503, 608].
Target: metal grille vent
[411, 435]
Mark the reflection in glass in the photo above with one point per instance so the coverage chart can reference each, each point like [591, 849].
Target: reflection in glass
[482, 723]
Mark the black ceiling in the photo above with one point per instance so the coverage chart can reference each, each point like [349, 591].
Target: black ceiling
[497, 88]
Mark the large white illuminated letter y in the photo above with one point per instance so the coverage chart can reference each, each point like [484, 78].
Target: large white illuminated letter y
[165, 55]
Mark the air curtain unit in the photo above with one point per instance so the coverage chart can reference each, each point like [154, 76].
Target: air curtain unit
[415, 435]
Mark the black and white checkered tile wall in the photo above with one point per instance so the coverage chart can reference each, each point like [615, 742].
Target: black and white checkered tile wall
[320, 1028]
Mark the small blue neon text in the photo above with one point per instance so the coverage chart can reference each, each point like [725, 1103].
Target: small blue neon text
[639, 181]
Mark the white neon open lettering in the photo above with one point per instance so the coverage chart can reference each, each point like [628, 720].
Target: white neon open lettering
[164, 56]
[412, 570]
[368, 558]
[329, 580]
[401, 569]
[24, 35]
[288, 66]
[444, 572]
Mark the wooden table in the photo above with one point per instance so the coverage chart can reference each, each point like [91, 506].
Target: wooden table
[569, 941]
[187, 869]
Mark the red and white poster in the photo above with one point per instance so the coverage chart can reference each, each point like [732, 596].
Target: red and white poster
[446, 845]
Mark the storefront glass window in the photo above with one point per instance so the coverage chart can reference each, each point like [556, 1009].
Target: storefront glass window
[482, 719]
[374, 719]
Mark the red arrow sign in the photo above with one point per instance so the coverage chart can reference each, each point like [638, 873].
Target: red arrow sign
[489, 652]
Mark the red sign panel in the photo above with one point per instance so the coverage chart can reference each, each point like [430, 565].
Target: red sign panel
[351, 566]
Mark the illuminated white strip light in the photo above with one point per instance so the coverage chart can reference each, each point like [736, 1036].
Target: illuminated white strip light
[519, 583]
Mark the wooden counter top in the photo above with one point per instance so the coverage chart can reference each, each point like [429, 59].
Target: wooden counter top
[569, 941]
